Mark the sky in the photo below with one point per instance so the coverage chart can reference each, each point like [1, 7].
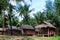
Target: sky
[38, 5]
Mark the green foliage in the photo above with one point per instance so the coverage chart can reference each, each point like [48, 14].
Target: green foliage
[24, 11]
[57, 5]
[32, 22]
[39, 17]
[15, 21]
[3, 4]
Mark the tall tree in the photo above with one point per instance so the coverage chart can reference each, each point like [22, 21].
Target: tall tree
[24, 11]
[50, 15]
[39, 17]
[57, 5]
[10, 13]
[3, 5]
[57, 14]
[10, 16]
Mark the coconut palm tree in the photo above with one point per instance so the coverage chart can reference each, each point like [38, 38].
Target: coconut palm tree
[3, 5]
[10, 13]
[39, 17]
[24, 11]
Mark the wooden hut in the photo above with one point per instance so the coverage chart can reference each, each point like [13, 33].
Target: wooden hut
[27, 30]
[45, 29]
[15, 30]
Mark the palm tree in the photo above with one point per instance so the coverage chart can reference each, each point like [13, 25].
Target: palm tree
[10, 13]
[10, 16]
[39, 17]
[2, 9]
[24, 11]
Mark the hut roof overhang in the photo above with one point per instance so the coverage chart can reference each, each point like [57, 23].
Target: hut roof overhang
[13, 28]
[47, 24]
[26, 27]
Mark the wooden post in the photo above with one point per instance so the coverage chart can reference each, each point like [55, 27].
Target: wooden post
[22, 31]
[48, 32]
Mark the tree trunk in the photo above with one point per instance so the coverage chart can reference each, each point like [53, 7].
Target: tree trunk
[3, 21]
[10, 17]
[10, 23]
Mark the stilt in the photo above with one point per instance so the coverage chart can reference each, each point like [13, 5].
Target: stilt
[48, 32]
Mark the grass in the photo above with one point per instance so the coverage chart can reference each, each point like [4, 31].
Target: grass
[43, 38]
[32, 37]
[6, 36]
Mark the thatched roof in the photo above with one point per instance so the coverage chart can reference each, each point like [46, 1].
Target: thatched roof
[14, 28]
[47, 24]
[26, 27]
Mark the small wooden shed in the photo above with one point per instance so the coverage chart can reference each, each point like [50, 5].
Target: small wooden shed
[15, 30]
[27, 30]
[45, 29]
